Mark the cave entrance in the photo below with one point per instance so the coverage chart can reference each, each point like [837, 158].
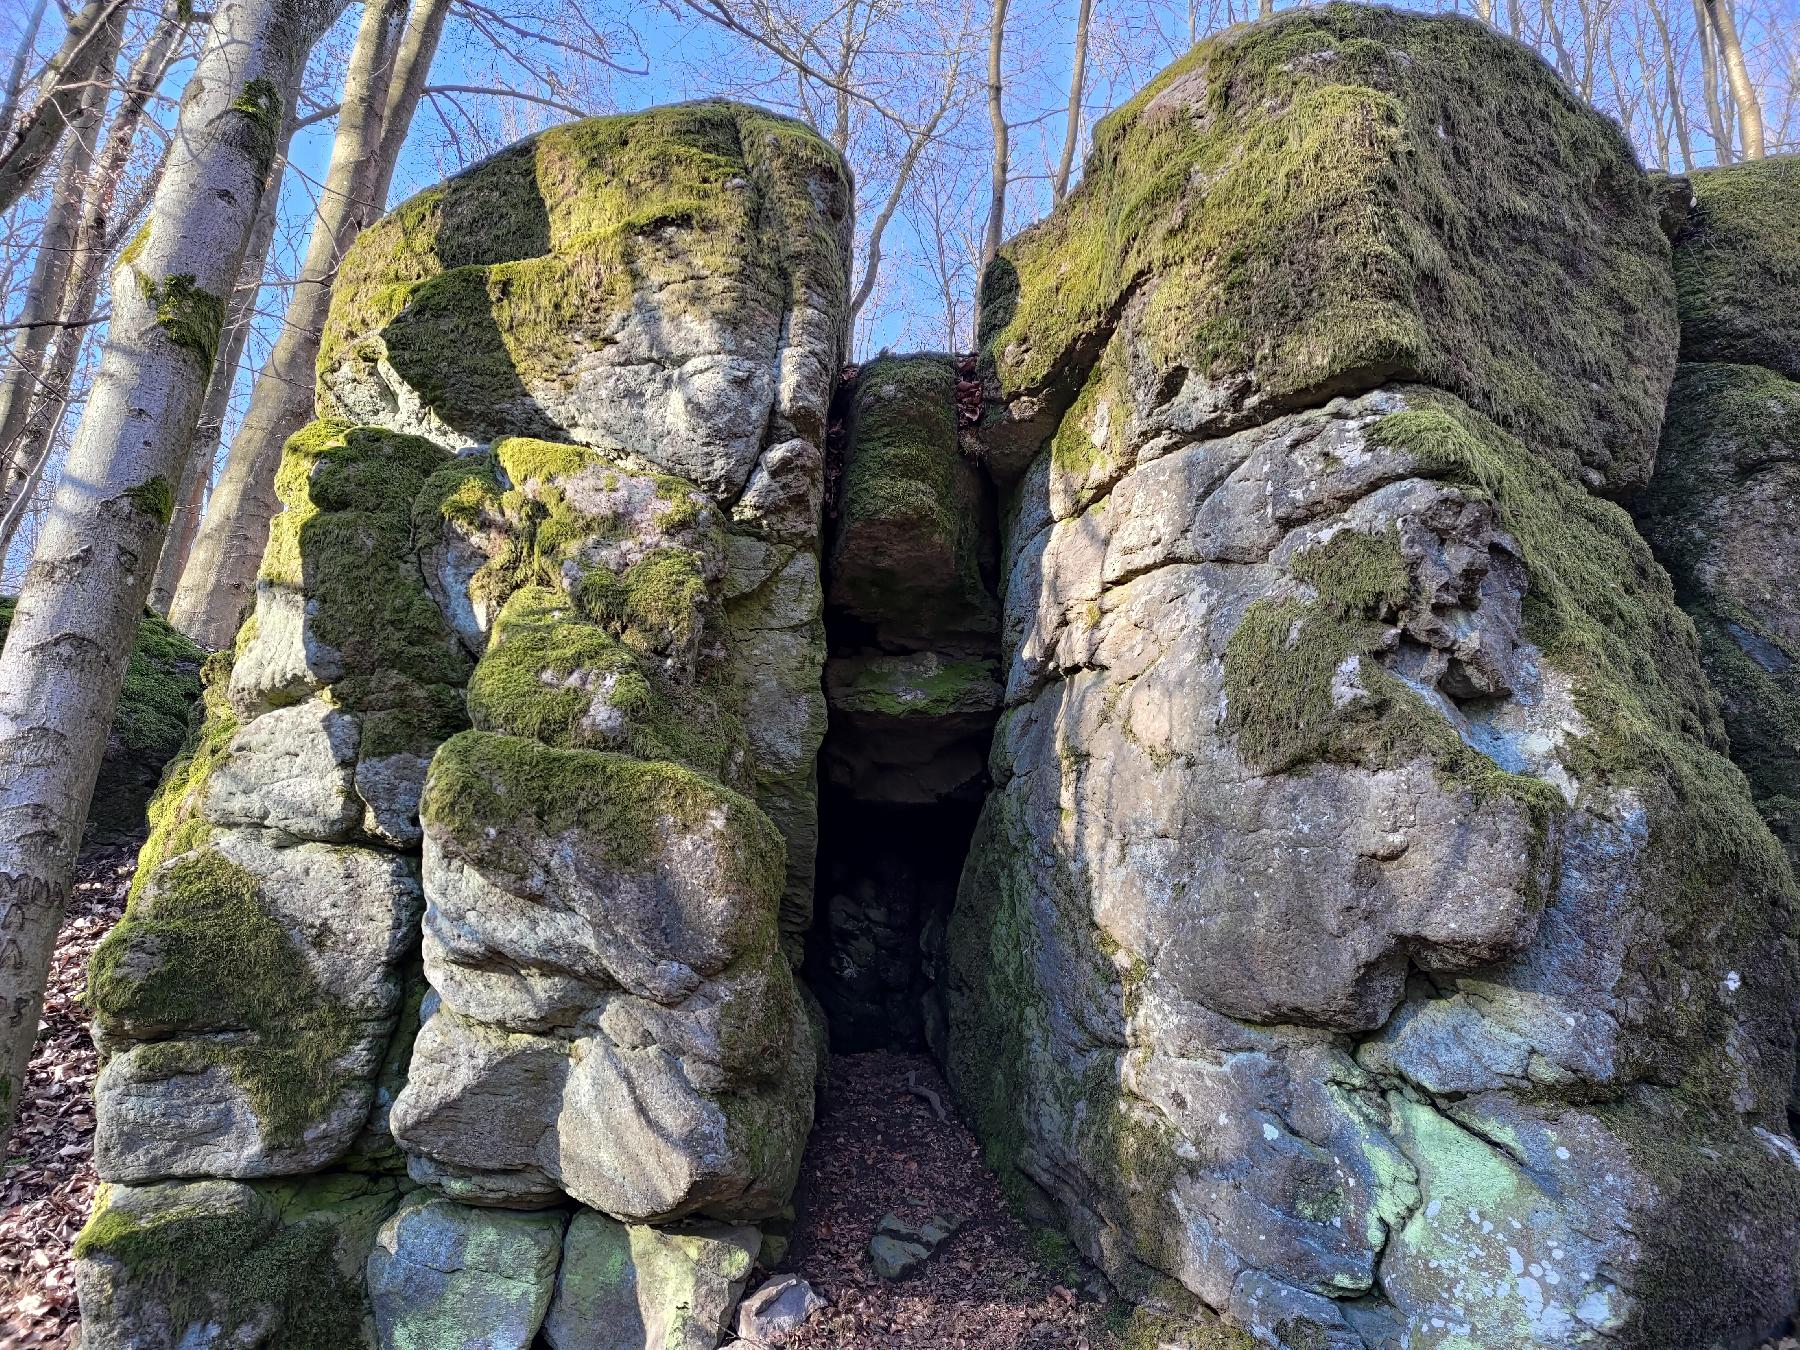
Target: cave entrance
[887, 878]
[913, 690]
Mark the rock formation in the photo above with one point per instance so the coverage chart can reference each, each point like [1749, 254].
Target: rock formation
[1366, 937]
[477, 874]
[1720, 511]
[1266, 762]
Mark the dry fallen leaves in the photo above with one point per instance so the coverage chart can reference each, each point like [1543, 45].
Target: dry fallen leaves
[48, 1182]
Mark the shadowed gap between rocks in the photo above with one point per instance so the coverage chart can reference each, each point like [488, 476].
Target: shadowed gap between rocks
[913, 691]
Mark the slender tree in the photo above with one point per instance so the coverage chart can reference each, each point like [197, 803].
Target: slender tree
[90, 46]
[15, 73]
[1737, 74]
[240, 314]
[64, 658]
[40, 382]
[54, 264]
[1077, 86]
[381, 92]
[996, 213]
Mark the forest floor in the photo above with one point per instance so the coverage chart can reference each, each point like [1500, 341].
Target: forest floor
[48, 1182]
[880, 1147]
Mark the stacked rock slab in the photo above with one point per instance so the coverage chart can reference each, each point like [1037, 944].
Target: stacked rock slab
[1367, 938]
[521, 672]
[1721, 509]
[912, 681]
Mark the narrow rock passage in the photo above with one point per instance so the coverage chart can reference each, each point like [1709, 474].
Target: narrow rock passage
[879, 1148]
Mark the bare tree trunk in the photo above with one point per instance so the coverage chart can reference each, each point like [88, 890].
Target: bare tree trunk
[64, 659]
[1709, 85]
[45, 300]
[1743, 88]
[1264, 8]
[86, 57]
[1672, 81]
[219, 580]
[32, 410]
[996, 215]
[184, 525]
[1077, 86]
[15, 74]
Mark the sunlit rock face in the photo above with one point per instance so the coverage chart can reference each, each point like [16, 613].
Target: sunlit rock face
[1366, 938]
[492, 859]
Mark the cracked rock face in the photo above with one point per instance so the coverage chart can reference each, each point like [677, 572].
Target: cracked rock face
[1374, 945]
[540, 621]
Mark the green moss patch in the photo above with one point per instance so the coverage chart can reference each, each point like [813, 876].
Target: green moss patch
[913, 531]
[233, 1261]
[1737, 266]
[198, 950]
[191, 317]
[1727, 424]
[1345, 195]
[484, 788]
[346, 543]
[547, 665]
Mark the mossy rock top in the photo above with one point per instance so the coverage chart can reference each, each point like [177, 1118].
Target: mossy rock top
[484, 293]
[914, 534]
[1347, 195]
[1737, 266]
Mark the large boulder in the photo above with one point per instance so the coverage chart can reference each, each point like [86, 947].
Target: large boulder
[1721, 510]
[1366, 937]
[673, 280]
[247, 1000]
[210, 1265]
[1331, 203]
[566, 488]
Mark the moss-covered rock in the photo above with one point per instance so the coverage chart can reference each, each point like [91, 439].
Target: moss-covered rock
[149, 726]
[1737, 266]
[212, 1263]
[1720, 514]
[580, 903]
[673, 279]
[1338, 198]
[1365, 891]
[912, 551]
[622, 1286]
[440, 1272]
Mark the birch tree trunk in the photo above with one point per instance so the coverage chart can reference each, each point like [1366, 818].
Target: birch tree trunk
[52, 268]
[219, 580]
[15, 73]
[1737, 74]
[1077, 85]
[1709, 84]
[184, 525]
[996, 215]
[90, 46]
[33, 400]
[64, 659]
